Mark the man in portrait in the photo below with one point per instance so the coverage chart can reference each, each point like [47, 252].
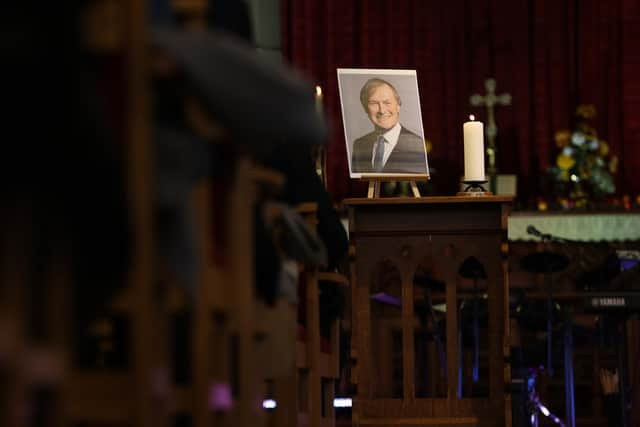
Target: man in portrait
[390, 147]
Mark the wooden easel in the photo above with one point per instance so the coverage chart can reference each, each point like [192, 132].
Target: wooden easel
[375, 182]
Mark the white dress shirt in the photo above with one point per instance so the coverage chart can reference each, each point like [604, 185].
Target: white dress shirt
[390, 141]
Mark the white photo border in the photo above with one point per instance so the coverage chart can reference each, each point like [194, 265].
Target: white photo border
[416, 117]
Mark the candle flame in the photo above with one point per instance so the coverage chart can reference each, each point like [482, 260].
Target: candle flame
[471, 116]
[318, 91]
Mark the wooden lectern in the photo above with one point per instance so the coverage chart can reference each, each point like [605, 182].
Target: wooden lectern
[408, 284]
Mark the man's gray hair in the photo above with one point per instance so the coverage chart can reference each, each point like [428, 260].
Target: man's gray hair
[370, 86]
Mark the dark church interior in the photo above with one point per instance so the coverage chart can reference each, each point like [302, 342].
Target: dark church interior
[187, 242]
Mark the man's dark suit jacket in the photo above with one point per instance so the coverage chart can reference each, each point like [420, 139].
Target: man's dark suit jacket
[406, 157]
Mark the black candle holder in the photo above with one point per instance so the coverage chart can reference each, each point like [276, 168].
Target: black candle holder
[475, 188]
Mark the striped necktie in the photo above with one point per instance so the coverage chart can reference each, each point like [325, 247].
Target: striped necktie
[378, 159]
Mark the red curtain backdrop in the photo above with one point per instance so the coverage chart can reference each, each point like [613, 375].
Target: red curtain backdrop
[550, 55]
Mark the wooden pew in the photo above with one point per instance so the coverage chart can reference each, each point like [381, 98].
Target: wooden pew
[226, 366]
[229, 323]
[317, 358]
[33, 351]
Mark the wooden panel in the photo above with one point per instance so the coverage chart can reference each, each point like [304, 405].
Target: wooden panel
[440, 218]
[325, 361]
[432, 422]
[99, 397]
[285, 382]
[313, 349]
[149, 362]
[408, 340]
[421, 408]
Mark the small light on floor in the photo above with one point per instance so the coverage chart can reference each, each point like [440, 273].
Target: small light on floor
[338, 402]
[342, 402]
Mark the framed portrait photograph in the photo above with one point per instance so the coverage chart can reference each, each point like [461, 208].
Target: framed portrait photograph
[382, 123]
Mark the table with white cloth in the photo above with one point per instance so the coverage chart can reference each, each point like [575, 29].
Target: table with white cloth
[583, 227]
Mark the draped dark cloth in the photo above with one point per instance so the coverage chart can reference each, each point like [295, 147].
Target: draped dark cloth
[550, 55]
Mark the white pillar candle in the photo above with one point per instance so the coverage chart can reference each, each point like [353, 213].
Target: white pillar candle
[473, 150]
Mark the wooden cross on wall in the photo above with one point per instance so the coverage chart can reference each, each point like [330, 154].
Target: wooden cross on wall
[490, 100]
